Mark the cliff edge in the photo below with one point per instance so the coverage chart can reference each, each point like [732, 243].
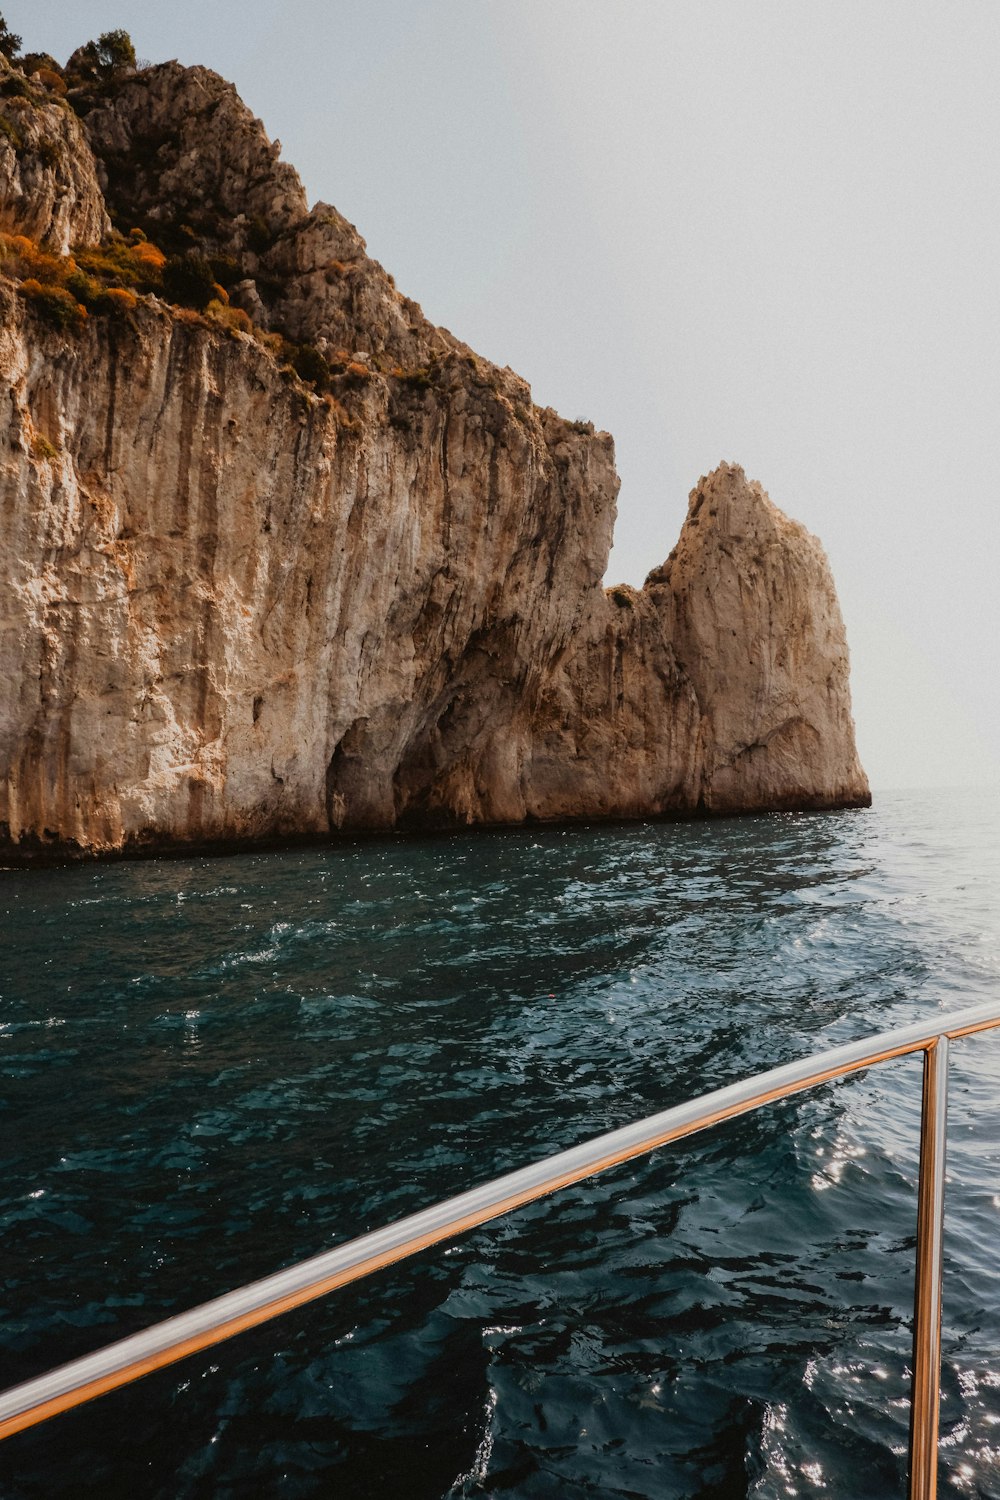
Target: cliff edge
[282, 558]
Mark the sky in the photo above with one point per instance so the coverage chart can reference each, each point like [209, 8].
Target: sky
[720, 229]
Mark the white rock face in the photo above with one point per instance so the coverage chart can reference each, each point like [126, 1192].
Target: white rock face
[234, 610]
[48, 176]
[755, 623]
[721, 686]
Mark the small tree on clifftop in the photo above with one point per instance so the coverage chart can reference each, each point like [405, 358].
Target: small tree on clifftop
[115, 53]
[10, 42]
[109, 57]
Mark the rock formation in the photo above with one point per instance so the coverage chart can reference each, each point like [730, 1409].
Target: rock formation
[313, 565]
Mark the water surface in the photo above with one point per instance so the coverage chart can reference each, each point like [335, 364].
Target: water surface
[211, 1068]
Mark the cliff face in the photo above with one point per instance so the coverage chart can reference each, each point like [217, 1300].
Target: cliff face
[721, 686]
[236, 606]
[48, 178]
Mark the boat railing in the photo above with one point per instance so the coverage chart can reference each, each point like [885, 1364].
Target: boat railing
[185, 1333]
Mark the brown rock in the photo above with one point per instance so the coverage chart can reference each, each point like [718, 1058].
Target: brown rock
[757, 630]
[721, 686]
[48, 176]
[232, 609]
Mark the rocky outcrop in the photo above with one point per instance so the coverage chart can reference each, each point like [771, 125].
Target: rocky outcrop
[753, 618]
[178, 150]
[48, 176]
[719, 687]
[236, 608]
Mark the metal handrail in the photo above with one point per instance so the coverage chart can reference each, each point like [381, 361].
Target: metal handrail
[126, 1360]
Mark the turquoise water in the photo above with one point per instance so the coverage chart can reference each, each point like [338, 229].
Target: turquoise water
[214, 1067]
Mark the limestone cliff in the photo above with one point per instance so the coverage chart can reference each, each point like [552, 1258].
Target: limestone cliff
[294, 561]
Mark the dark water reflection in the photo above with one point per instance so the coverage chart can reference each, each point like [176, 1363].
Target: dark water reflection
[213, 1068]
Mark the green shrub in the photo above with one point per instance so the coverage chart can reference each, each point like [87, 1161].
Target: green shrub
[115, 53]
[137, 264]
[419, 377]
[22, 257]
[232, 318]
[114, 301]
[189, 280]
[10, 42]
[104, 279]
[83, 287]
[108, 58]
[107, 263]
[42, 448]
[55, 305]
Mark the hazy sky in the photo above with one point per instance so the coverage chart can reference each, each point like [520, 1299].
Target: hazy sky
[763, 232]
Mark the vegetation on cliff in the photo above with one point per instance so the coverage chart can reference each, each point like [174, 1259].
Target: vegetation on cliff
[190, 267]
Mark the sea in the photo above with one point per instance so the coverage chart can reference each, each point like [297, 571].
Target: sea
[213, 1067]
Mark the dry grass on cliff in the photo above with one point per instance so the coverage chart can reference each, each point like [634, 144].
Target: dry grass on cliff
[66, 289]
[108, 280]
[101, 279]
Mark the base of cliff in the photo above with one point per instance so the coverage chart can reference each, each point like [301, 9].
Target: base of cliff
[34, 852]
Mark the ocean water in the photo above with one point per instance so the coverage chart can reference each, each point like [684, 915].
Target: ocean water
[213, 1067]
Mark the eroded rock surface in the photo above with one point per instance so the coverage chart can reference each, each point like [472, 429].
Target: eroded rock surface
[49, 185]
[234, 609]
